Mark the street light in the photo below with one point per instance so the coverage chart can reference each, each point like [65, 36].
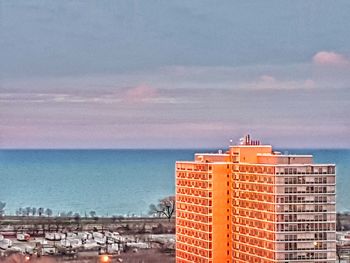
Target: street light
[104, 258]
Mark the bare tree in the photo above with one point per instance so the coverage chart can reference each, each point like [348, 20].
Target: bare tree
[48, 212]
[40, 211]
[34, 211]
[338, 251]
[2, 206]
[76, 216]
[20, 211]
[28, 210]
[92, 213]
[339, 227]
[165, 207]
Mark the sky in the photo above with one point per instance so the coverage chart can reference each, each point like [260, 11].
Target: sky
[174, 74]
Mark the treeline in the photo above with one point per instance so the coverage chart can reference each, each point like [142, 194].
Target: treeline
[41, 211]
[33, 211]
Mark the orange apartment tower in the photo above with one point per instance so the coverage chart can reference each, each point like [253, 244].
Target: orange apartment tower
[252, 204]
[203, 209]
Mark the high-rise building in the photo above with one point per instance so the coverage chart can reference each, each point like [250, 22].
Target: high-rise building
[203, 209]
[253, 204]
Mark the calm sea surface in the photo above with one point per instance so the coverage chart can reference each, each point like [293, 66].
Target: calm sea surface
[112, 182]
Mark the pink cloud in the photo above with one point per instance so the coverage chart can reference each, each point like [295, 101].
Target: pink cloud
[267, 79]
[140, 93]
[330, 58]
[268, 82]
[309, 83]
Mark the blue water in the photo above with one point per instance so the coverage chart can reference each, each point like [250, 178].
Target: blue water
[112, 182]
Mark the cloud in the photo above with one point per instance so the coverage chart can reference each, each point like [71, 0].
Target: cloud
[329, 58]
[147, 94]
[331, 69]
[268, 82]
[140, 93]
[267, 79]
[111, 95]
[18, 97]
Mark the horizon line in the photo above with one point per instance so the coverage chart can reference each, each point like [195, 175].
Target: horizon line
[171, 148]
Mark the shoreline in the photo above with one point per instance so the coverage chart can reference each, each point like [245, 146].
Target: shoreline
[38, 226]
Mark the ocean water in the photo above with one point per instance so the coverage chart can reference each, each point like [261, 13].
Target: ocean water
[112, 182]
